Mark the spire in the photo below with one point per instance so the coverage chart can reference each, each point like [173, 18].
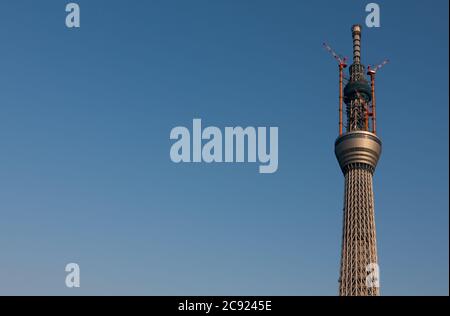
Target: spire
[356, 34]
[357, 70]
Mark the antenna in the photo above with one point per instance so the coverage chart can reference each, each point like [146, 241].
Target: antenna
[356, 34]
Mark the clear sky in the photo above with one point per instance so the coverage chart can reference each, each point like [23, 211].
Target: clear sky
[85, 172]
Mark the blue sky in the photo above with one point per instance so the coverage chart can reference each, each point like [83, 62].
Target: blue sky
[85, 172]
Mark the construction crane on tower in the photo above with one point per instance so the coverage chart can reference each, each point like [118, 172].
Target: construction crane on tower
[370, 107]
[342, 65]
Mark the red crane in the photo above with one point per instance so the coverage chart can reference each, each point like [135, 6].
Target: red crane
[371, 71]
[342, 64]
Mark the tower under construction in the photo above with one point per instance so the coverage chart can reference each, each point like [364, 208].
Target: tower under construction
[357, 150]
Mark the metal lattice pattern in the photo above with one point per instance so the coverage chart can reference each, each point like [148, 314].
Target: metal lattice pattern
[359, 237]
[356, 110]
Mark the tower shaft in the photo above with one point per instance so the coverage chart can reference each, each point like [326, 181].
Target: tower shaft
[359, 249]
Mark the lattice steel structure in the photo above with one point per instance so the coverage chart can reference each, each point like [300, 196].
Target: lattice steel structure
[358, 150]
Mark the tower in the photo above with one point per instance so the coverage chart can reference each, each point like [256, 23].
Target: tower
[357, 151]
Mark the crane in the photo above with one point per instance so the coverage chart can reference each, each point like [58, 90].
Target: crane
[342, 64]
[338, 57]
[372, 71]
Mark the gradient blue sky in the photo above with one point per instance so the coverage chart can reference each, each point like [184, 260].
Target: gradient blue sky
[85, 173]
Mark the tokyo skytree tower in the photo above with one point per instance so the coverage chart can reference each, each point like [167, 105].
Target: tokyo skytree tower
[357, 150]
